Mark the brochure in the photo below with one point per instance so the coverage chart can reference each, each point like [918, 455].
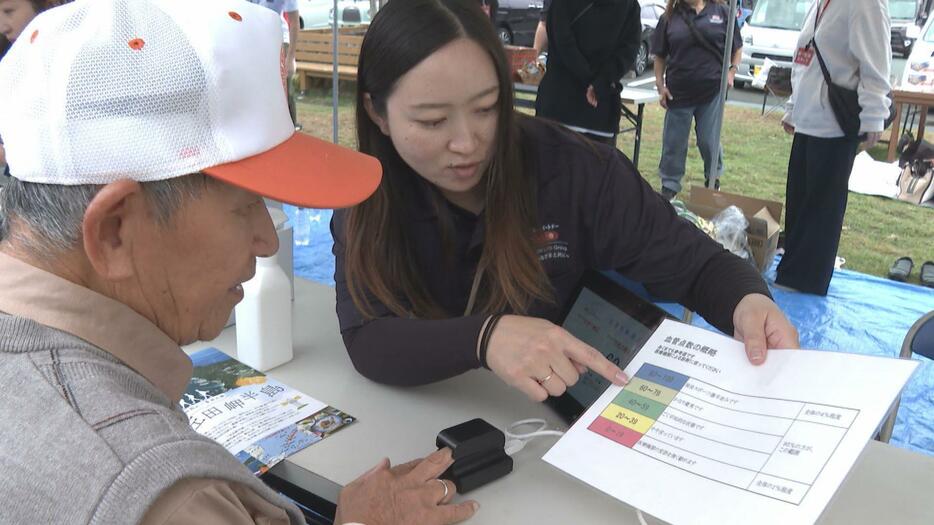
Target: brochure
[258, 419]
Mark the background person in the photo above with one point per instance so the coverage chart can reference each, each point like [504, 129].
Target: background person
[854, 40]
[289, 18]
[688, 46]
[489, 7]
[482, 212]
[135, 238]
[540, 42]
[592, 44]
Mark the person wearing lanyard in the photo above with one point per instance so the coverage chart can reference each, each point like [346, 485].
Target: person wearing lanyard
[485, 221]
[854, 41]
[688, 46]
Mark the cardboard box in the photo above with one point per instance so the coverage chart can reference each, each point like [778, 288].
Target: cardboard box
[763, 217]
[518, 57]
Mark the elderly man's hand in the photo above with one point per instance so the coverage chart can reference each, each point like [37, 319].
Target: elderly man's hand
[408, 493]
[761, 325]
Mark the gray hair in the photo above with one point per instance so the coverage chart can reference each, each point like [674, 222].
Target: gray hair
[48, 217]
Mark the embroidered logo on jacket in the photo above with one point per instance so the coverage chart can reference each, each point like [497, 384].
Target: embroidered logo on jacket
[549, 243]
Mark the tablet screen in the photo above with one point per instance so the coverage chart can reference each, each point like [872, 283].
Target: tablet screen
[616, 322]
[610, 330]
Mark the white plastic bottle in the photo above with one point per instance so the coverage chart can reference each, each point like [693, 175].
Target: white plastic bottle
[301, 224]
[264, 317]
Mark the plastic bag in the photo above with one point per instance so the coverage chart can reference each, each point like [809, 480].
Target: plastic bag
[686, 214]
[532, 72]
[730, 231]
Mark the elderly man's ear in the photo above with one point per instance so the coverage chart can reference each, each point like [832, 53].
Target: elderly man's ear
[111, 222]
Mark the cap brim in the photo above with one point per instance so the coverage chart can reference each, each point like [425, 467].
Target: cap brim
[305, 171]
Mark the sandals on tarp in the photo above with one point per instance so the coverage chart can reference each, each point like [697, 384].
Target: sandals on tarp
[927, 274]
[901, 269]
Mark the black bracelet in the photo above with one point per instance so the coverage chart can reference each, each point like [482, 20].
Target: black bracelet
[485, 337]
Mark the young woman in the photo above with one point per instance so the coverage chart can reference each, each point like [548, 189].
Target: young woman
[688, 45]
[485, 221]
[16, 14]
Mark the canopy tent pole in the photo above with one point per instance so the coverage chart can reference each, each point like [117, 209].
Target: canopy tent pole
[334, 74]
[712, 174]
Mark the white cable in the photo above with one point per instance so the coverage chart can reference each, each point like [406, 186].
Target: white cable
[641, 517]
[515, 441]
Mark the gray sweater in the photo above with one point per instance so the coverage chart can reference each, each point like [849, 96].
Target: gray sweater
[85, 439]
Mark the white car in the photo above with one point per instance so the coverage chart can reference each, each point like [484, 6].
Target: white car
[650, 11]
[919, 68]
[905, 29]
[317, 14]
[771, 31]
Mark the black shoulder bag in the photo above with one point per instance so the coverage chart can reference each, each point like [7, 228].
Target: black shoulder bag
[844, 101]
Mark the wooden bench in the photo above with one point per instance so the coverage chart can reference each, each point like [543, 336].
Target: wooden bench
[314, 53]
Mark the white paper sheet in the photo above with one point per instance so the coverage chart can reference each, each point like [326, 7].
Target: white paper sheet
[701, 436]
[871, 177]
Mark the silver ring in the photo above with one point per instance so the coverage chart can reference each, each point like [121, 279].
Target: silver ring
[445, 485]
[546, 378]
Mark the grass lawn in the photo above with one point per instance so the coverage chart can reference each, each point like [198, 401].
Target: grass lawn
[875, 232]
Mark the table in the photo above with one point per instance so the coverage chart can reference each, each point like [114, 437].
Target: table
[630, 95]
[908, 98]
[887, 485]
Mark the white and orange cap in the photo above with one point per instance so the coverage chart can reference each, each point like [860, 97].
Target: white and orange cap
[100, 90]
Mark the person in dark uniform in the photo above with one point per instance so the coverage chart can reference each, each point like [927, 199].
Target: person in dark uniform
[688, 46]
[485, 221]
[591, 45]
[489, 7]
[540, 43]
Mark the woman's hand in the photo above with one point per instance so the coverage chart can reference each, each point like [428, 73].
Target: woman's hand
[761, 325]
[664, 94]
[407, 493]
[591, 96]
[789, 129]
[872, 139]
[542, 359]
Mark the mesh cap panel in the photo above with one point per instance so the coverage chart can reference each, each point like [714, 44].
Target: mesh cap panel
[100, 90]
[117, 91]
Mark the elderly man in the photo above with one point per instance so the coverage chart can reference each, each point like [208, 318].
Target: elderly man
[141, 136]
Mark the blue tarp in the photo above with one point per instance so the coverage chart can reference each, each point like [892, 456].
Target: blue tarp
[861, 314]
